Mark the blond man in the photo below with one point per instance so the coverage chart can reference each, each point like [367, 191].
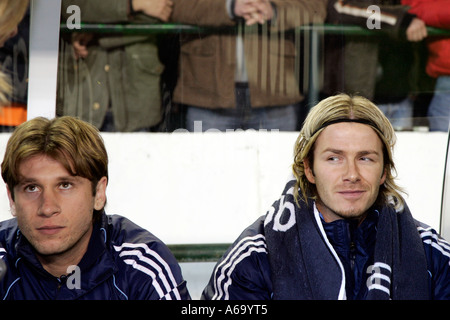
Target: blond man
[341, 229]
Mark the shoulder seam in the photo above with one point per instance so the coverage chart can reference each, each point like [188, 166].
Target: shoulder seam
[242, 250]
[430, 237]
[149, 262]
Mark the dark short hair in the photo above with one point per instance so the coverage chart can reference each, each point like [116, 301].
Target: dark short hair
[76, 144]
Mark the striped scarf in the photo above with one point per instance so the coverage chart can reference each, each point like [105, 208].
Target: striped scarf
[304, 265]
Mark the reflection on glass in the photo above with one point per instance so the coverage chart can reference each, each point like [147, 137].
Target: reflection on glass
[127, 68]
[14, 40]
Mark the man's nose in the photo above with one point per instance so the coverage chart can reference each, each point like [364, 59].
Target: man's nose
[351, 173]
[49, 204]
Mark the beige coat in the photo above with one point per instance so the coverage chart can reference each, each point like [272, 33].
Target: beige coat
[207, 66]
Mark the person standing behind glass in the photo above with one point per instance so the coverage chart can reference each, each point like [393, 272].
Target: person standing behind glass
[11, 13]
[246, 79]
[112, 80]
[436, 14]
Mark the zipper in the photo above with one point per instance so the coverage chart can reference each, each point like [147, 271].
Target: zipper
[352, 255]
[352, 245]
[61, 281]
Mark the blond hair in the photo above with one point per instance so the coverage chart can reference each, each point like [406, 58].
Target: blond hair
[340, 108]
[11, 13]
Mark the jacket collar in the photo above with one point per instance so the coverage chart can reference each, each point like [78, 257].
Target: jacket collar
[355, 245]
[343, 232]
[97, 262]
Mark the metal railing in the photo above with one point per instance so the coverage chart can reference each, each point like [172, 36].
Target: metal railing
[131, 28]
[208, 252]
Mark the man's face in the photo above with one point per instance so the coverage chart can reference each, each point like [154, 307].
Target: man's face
[54, 209]
[347, 170]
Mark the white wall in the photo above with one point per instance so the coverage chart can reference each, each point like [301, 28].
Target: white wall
[206, 188]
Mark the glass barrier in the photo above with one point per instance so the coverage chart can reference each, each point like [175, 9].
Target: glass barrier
[14, 64]
[322, 64]
[145, 76]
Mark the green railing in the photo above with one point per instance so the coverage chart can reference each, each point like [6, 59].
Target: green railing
[210, 252]
[182, 28]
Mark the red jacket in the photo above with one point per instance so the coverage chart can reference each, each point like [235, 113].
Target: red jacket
[435, 13]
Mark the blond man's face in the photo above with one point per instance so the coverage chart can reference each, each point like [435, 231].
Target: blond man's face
[348, 170]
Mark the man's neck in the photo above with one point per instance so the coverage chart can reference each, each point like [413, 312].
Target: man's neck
[57, 264]
[330, 216]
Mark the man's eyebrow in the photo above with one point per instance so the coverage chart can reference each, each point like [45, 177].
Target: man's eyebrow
[23, 180]
[361, 153]
[26, 180]
[336, 151]
[366, 152]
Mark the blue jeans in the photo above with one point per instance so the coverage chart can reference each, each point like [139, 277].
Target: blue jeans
[439, 108]
[400, 114]
[282, 118]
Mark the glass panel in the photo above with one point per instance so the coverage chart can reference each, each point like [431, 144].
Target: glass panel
[134, 73]
[445, 209]
[14, 65]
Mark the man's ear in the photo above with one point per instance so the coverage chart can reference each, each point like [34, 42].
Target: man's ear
[12, 204]
[100, 194]
[383, 177]
[309, 172]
